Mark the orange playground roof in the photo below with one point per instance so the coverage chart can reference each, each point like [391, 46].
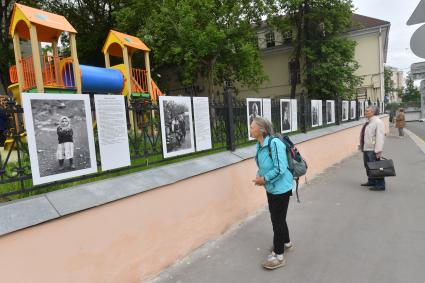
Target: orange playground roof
[116, 41]
[49, 25]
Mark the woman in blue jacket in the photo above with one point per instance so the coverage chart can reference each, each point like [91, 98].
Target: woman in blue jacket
[273, 174]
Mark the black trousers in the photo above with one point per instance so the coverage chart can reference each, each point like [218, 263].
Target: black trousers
[278, 207]
[369, 156]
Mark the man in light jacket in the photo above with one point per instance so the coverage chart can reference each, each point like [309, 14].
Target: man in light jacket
[372, 144]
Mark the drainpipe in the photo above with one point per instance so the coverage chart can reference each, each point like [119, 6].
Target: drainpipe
[381, 66]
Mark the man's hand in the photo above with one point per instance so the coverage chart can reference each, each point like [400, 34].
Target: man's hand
[378, 155]
[259, 181]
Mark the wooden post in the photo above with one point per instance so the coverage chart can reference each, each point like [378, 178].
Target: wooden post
[148, 72]
[127, 70]
[75, 63]
[107, 61]
[18, 58]
[36, 59]
[56, 61]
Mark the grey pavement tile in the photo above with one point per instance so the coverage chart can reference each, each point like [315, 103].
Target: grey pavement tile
[245, 152]
[25, 213]
[342, 232]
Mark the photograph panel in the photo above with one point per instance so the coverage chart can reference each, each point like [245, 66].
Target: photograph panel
[60, 136]
[176, 125]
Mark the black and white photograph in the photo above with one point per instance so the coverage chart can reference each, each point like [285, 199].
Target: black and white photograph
[344, 110]
[176, 125]
[316, 113]
[361, 108]
[330, 111]
[353, 109]
[254, 107]
[60, 136]
[285, 115]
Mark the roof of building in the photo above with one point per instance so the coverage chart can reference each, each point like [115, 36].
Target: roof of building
[360, 22]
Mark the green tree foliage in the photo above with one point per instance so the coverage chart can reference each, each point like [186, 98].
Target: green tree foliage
[411, 92]
[388, 82]
[7, 57]
[325, 56]
[207, 39]
[92, 19]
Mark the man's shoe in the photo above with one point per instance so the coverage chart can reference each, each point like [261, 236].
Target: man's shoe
[377, 189]
[366, 184]
[274, 261]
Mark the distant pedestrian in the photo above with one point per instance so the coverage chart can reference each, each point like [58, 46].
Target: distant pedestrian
[65, 143]
[273, 174]
[372, 144]
[400, 122]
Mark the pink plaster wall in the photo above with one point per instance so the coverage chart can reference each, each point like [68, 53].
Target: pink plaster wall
[134, 238]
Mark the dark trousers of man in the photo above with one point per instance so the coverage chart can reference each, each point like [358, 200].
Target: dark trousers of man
[278, 207]
[369, 156]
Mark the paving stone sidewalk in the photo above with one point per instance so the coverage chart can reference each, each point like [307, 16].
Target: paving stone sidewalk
[342, 232]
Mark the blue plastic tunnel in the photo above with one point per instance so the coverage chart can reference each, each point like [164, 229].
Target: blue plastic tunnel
[95, 79]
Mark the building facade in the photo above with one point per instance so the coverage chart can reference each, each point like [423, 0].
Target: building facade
[371, 36]
[397, 77]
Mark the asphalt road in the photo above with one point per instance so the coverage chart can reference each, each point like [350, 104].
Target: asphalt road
[342, 232]
[418, 128]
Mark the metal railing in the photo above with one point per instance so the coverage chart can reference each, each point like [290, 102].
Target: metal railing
[56, 72]
[229, 130]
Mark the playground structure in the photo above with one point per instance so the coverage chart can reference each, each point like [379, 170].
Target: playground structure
[51, 73]
[45, 73]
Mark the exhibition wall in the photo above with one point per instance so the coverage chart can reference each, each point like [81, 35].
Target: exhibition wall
[132, 239]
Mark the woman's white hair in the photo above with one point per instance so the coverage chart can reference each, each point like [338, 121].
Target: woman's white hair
[265, 126]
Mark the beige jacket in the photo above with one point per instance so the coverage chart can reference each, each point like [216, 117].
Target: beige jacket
[374, 135]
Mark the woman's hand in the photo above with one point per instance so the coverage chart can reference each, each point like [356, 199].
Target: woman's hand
[259, 181]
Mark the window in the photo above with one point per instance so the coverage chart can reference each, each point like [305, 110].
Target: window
[270, 41]
[294, 72]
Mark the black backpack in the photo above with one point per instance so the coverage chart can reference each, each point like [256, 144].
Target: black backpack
[296, 164]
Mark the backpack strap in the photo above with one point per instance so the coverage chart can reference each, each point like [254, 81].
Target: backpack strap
[296, 188]
[269, 147]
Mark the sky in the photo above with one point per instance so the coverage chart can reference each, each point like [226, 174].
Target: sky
[397, 13]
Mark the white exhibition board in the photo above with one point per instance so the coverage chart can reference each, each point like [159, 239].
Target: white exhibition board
[361, 108]
[201, 113]
[111, 123]
[254, 107]
[285, 116]
[176, 125]
[60, 136]
[344, 110]
[353, 109]
[294, 113]
[330, 111]
[267, 109]
[316, 113]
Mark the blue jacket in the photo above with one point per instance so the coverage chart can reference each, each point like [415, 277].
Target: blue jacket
[275, 170]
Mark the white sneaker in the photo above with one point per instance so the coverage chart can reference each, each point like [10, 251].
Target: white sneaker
[274, 261]
[288, 247]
